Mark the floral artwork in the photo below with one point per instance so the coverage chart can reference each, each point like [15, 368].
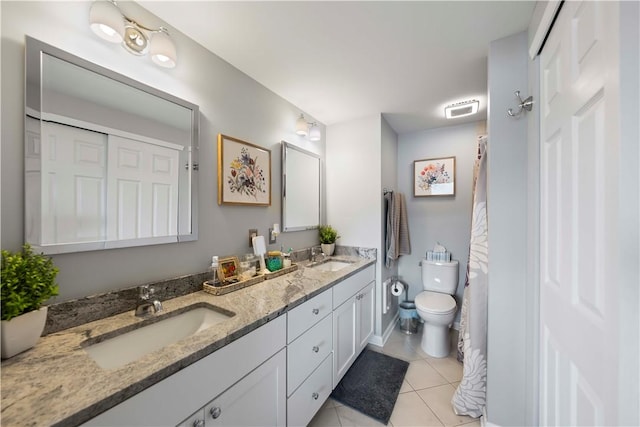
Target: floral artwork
[244, 173]
[434, 177]
[246, 176]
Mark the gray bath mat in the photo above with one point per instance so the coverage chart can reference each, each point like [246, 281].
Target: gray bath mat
[372, 384]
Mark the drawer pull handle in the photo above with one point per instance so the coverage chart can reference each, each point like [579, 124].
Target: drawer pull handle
[315, 311]
[215, 412]
[198, 423]
[315, 349]
[315, 396]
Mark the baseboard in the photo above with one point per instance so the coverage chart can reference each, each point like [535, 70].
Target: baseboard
[378, 340]
[483, 419]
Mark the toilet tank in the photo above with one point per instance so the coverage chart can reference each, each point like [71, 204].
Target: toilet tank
[440, 276]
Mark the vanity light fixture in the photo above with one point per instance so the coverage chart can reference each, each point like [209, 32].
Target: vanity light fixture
[109, 23]
[461, 109]
[304, 128]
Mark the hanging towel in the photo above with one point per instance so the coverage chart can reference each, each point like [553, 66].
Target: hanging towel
[397, 236]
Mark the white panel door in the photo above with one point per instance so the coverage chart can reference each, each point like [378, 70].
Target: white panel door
[73, 184]
[578, 217]
[143, 189]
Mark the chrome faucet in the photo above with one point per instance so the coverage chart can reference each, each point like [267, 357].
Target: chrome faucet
[144, 306]
[314, 254]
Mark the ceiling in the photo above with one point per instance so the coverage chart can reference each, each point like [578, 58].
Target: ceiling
[338, 61]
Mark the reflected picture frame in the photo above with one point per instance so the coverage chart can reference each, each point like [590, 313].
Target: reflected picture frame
[434, 177]
[244, 173]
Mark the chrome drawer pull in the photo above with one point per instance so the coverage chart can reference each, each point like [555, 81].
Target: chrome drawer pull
[316, 349]
[215, 412]
[198, 423]
[315, 311]
[315, 396]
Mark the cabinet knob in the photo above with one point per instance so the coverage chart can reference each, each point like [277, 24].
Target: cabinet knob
[198, 423]
[315, 311]
[215, 412]
[315, 349]
[315, 396]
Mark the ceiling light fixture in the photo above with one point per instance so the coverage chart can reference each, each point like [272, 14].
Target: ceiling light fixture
[461, 109]
[304, 128]
[109, 23]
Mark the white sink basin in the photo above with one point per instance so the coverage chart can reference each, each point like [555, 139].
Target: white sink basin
[332, 265]
[129, 346]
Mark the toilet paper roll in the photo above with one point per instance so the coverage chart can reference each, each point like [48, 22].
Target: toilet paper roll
[397, 289]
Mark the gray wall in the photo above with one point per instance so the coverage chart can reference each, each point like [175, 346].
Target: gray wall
[507, 213]
[629, 220]
[438, 219]
[230, 103]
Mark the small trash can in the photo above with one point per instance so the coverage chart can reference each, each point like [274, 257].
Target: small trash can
[408, 317]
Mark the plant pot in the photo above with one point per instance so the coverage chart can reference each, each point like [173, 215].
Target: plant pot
[328, 248]
[22, 332]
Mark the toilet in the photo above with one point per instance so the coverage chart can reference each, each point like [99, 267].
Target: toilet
[436, 305]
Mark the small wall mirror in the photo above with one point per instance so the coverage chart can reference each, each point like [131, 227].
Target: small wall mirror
[301, 189]
[109, 162]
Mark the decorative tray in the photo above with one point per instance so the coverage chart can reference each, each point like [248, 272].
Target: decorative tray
[233, 285]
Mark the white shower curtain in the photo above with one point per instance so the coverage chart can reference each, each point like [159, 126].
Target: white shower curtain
[470, 396]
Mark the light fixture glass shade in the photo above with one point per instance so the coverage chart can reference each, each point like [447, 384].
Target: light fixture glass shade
[314, 133]
[301, 126]
[163, 51]
[107, 21]
[461, 109]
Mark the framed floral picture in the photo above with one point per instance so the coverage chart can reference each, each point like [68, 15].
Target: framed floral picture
[228, 269]
[434, 177]
[244, 173]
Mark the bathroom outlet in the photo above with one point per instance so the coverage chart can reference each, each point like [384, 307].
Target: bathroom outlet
[253, 232]
[272, 237]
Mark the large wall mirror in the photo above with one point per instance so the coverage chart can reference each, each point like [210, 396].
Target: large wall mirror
[301, 188]
[109, 162]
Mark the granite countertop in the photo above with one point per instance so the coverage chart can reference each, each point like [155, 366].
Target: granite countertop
[57, 383]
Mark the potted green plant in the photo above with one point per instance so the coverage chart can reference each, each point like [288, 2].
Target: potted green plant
[328, 236]
[28, 280]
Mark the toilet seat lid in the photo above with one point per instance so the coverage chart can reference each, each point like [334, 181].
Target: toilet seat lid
[435, 302]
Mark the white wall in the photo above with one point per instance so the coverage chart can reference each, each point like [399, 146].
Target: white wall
[230, 103]
[507, 214]
[438, 219]
[389, 160]
[354, 190]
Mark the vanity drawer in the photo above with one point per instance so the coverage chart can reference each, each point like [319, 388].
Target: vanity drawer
[307, 400]
[308, 314]
[348, 287]
[307, 352]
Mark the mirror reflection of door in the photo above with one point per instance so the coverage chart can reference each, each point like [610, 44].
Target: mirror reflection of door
[98, 187]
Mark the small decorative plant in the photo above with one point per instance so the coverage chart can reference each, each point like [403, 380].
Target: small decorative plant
[327, 234]
[28, 280]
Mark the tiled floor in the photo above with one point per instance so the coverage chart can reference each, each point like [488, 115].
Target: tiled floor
[425, 396]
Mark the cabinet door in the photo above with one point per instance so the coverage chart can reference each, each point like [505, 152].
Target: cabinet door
[344, 338]
[365, 315]
[258, 399]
